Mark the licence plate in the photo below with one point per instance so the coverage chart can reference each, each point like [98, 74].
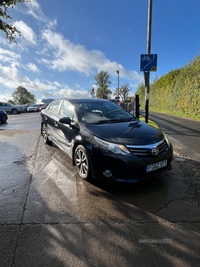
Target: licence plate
[156, 166]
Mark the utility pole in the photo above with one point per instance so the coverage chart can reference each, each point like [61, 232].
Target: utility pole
[147, 74]
[118, 83]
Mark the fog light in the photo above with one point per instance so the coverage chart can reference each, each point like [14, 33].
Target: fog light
[107, 173]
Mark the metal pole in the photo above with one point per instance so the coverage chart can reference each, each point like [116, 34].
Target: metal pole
[147, 74]
[118, 83]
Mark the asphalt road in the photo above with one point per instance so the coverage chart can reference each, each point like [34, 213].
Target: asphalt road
[183, 133]
[51, 217]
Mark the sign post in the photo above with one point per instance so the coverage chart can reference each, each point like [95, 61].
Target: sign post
[147, 73]
[148, 62]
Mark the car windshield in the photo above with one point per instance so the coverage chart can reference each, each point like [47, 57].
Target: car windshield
[102, 112]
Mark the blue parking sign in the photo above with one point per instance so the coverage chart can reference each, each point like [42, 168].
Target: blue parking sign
[148, 62]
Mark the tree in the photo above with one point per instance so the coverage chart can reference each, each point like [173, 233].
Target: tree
[11, 101]
[123, 92]
[9, 30]
[92, 92]
[141, 92]
[103, 82]
[23, 96]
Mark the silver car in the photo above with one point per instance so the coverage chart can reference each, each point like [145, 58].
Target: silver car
[34, 107]
[10, 108]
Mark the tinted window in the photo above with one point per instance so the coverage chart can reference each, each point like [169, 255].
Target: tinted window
[67, 110]
[55, 107]
[50, 106]
[3, 104]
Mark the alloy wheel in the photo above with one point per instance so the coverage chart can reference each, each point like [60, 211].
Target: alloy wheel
[45, 135]
[82, 162]
[14, 111]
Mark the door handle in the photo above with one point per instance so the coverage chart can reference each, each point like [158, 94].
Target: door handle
[55, 124]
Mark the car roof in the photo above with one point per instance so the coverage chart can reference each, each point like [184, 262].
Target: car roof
[83, 100]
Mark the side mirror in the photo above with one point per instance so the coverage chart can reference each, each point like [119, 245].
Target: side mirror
[65, 120]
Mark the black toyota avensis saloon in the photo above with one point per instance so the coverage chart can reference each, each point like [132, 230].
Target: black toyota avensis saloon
[104, 141]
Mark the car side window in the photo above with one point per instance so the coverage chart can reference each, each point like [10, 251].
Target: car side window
[55, 107]
[50, 106]
[67, 110]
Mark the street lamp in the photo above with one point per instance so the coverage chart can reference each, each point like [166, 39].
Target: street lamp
[118, 83]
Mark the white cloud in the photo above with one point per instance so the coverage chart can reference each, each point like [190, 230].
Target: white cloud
[8, 56]
[10, 78]
[26, 32]
[70, 93]
[57, 84]
[3, 40]
[68, 56]
[78, 86]
[43, 51]
[32, 67]
[5, 97]
[34, 9]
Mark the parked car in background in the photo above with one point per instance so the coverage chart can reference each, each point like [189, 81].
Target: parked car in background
[25, 106]
[10, 108]
[105, 141]
[43, 106]
[3, 116]
[34, 107]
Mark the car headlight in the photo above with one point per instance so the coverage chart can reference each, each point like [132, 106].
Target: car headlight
[111, 148]
[166, 138]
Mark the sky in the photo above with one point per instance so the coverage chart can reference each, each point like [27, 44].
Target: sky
[64, 44]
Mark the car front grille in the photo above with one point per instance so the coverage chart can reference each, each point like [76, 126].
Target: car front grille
[145, 151]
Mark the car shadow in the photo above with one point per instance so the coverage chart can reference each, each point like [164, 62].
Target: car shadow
[66, 221]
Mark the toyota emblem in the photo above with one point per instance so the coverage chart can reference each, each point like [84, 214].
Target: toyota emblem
[155, 151]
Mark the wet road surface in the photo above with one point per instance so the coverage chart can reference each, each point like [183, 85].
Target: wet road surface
[51, 217]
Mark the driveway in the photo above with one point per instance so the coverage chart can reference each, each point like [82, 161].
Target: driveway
[51, 217]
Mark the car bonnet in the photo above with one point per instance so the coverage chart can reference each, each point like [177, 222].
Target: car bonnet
[127, 133]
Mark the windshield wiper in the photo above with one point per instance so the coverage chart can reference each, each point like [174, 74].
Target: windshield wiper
[112, 111]
[115, 120]
[103, 121]
[110, 121]
[132, 119]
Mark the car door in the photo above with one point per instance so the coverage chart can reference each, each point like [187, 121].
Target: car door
[66, 132]
[52, 118]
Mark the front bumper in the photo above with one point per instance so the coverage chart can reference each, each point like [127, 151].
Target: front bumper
[127, 169]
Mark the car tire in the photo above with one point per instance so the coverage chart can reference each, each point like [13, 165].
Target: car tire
[45, 135]
[4, 118]
[14, 111]
[82, 163]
